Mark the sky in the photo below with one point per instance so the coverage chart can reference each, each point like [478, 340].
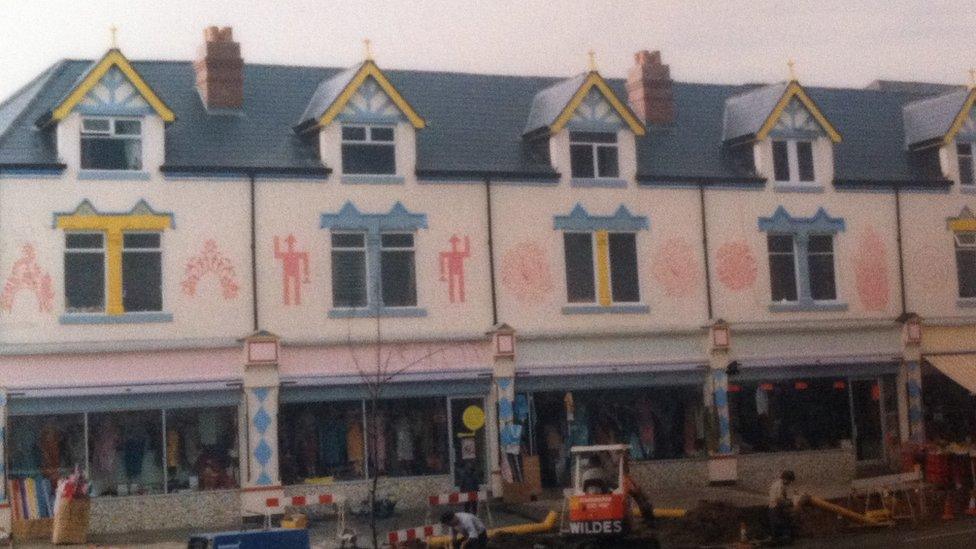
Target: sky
[834, 43]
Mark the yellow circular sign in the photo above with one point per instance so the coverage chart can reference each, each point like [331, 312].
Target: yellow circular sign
[473, 417]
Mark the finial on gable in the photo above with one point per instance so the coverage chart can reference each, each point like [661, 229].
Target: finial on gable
[592, 60]
[368, 49]
[792, 68]
[113, 39]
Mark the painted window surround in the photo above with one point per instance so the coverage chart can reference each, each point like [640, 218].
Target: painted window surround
[68, 135]
[622, 221]
[626, 161]
[949, 160]
[821, 223]
[398, 219]
[965, 222]
[140, 218]
[404, 142]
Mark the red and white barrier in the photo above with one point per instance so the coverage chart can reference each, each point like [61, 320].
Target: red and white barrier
[277, 505]
[455, 498]
[419, 533]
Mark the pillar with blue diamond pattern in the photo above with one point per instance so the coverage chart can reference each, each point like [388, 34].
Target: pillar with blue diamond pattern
[913, 380]
[720, 396]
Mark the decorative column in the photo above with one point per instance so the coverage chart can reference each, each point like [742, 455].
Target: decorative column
[261, 385]
[722, 463]
[912, 373]
[5, 516]
[506, 436]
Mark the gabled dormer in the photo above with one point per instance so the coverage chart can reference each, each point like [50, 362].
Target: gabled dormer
[110, 124]
[590, 131]
[366, 127]
[788, 137]
[940, 133]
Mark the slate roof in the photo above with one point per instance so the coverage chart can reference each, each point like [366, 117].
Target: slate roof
[746, 112]
[931, 118]
[475, 122]
[549, 103]
[326, 94]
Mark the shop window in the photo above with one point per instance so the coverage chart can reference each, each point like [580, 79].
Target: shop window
[45, 448]
[323, 440]
[84, 272]
[111, 144]
[593, 155]
[126, 453]
[413, 437]
[201, 449]
[368, 150]
[789, 415]
[966, 264]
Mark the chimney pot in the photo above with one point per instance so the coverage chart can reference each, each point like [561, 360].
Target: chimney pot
[220, 69]
[649, 88]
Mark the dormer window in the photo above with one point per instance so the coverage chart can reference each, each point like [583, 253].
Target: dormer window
[111, 144]
[368, 150]
[967, 168]
[793, 161]
[593, 154]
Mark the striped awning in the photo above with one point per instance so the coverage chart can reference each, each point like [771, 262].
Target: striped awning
[960, 368]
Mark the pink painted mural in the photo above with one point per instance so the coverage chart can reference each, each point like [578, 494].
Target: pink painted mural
[210, 261]
[736, 265]
[525, 272]
[27, 275]
[871, 271]
[294, 270]
[675, 267]
[452, 267]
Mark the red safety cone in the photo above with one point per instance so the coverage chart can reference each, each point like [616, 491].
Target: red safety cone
[971, 510]
[947, 512]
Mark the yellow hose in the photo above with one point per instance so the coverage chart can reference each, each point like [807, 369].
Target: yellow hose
[844, 512]
[663, 513]
[530, 528]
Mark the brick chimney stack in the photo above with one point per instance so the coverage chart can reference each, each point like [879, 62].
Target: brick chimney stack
[220, 70]
[649, 90]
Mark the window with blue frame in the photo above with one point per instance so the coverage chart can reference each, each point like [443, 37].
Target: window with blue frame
[593, 154]
[966, 264]
[801, 260]
[374, 262]
[368, 150]
[111, 144]
[967, 168]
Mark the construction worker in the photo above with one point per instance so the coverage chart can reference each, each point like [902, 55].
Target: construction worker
[783, 503]
[468, 527]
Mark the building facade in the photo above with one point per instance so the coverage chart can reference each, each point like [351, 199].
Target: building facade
[213, 270]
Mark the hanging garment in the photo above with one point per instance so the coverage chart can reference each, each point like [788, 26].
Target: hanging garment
[332, 442]
[106, 442]
[134, 449]
[208, 422]
[404, 440]
[50, 452]
[354, 443]
[172, 448]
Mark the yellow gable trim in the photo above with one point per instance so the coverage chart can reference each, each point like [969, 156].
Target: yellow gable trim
[795, 90]
[114, 223]
[961, 117]
[113, 58]
[594, 79]
[962, 225]
[370, 69]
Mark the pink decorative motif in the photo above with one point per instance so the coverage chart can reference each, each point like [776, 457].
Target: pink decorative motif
[294, 269]
[525, 272]
[452, 268]
[871, 271]
[675, 268]
[735, 265]
[210, 261]
[26, 274]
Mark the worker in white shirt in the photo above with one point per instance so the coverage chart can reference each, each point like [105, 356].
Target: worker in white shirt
[468, 527]
[783, 503]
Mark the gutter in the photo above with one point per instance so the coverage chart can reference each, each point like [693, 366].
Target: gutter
[248, 171]
[708, 180]
[481, 175]
[491, 253]
[32, 167]
[936, 184]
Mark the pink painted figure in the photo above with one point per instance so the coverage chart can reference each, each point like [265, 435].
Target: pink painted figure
[736, 266]
[210, 261]
[452, 268]
[525, 272]
[871, 271]
[675, 268]
[26, 274]
[294, 269]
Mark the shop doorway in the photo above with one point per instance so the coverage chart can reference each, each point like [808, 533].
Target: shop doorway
[867, 409]
[469, 449]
